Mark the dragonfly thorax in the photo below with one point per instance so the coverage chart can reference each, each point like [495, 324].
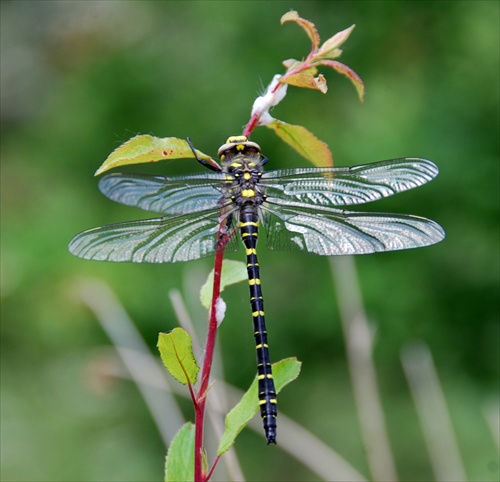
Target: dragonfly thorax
[243, 172]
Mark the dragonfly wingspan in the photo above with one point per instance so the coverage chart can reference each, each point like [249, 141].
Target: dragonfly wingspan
[175, 195]
[345, 186]
[159, 240]
[336, 232]
[297, 209]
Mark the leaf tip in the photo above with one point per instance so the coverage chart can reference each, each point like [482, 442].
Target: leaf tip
[289, 16]
[309, 28]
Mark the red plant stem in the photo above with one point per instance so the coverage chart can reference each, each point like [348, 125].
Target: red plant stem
[252, 124]
[213, 467]
[199, 476]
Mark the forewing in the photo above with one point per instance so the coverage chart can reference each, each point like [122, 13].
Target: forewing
[344, 186]
[164, 195]
[159, 240]
[335, 232]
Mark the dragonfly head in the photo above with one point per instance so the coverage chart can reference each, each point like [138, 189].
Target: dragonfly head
[236, 145]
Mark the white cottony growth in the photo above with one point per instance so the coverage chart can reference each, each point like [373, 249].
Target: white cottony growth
[270, 98]
[220, 310]
[265, 119]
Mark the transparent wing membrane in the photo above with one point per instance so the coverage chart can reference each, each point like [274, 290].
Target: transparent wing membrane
[298, 213]
[346, 186]
[334, 232]
[176, 195]
[159, 240]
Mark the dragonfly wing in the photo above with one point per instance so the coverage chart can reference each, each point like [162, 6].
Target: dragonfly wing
[175, 195]
[335, 232]
[159, 240]
[344, 186]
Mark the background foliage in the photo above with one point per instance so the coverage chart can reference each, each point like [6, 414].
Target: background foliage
[80, 77]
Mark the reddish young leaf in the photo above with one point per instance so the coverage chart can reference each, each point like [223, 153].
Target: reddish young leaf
[291, 63]
[307, 81]
[349, 73]
[309, 27]
[330, 48]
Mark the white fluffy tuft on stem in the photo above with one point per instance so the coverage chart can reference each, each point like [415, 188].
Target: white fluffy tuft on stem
[273, 95]
[220, 310]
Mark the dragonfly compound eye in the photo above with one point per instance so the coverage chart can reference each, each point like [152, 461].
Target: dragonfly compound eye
[237, 144]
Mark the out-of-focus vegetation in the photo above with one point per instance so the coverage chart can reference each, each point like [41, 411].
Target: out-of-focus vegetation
[80, 77]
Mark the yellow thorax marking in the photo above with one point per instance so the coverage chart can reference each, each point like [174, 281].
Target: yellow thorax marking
[248, 193]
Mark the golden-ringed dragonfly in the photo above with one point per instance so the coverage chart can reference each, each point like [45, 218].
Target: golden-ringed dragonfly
[298, 209]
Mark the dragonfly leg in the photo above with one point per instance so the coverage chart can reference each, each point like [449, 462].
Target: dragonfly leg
[203, 162]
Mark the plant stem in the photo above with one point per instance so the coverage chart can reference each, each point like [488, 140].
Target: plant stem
[252, 124]
[213, 467]
[359, 346]
[433, 413]
[200, 404]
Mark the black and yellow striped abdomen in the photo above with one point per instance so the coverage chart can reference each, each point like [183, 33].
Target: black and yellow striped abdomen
[266, 389]
[243, 163]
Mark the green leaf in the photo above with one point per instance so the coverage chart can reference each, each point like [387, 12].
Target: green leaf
[176, 350]
[232, 272]
[304, 142]
[179, 464]
[284, 372]
[308, 26]
[307, 81]
[349, 73]
[144, 148]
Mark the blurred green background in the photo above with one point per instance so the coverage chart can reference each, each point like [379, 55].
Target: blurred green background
[80, 77]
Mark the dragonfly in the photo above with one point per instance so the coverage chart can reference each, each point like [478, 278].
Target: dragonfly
[300, 209]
